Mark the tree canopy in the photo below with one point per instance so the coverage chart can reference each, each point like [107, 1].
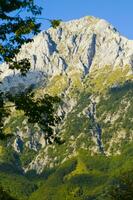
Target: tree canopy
[4, 195]
[18, 25]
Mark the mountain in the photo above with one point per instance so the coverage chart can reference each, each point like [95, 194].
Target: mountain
[89, 65]
[78, 46]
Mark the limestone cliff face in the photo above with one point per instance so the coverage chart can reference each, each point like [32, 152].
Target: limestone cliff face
[80, 45]
[89, 65]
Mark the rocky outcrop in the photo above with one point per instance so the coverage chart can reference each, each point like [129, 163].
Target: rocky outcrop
[95, 128]
[82, 45]
[82, 61]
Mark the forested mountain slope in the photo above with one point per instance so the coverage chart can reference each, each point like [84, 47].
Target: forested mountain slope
[89, 65]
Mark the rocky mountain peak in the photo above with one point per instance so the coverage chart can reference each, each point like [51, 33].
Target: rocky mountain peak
[89, 65]
[78, 45]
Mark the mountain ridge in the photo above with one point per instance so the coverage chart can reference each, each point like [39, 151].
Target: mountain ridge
[76, 45]
[84, 62]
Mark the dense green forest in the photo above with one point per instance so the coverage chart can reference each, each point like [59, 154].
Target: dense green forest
[83, 177]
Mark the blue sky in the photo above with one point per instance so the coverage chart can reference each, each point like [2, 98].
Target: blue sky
[117, 12]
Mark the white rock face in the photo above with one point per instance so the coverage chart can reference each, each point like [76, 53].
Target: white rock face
[80, 45]
[73, 50]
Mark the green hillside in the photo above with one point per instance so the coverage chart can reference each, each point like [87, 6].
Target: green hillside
[96, 128]
[85, 177]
